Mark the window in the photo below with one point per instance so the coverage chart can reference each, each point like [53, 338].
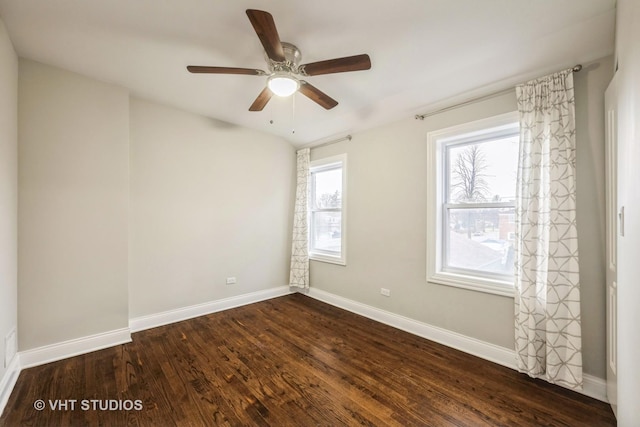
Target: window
[471, 209]
[327, 201]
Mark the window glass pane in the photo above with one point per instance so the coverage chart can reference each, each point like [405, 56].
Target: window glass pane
[481, 239]
[483, 172]
[327, 231]
[328, 189]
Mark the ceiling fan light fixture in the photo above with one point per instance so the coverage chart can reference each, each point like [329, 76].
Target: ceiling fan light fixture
[283, 84]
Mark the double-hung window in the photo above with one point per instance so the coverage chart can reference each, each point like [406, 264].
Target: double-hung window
[327, 203]
[471, 210]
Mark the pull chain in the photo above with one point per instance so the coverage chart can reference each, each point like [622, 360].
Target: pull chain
[271, 114]
[293, 114]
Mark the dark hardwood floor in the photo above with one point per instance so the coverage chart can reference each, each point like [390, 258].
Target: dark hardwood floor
[289, 361]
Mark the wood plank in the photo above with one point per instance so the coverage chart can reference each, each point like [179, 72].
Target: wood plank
[293, 361]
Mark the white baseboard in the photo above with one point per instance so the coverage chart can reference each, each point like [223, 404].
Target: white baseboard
[171, 316]
[74, 347]
[51, 353]
[8, 381]
[593, 386]
[497, 354]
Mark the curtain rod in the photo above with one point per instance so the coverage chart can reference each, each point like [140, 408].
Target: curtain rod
[347, 138]
[575, 69]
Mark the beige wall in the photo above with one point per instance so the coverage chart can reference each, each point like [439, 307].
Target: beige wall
[209, 200]
[387, 179]
[73, 206]
[590, 84]
[8, 190]
[108, 225]
[628, 80]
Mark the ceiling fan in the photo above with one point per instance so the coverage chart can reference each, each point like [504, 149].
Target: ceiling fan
[283, 59]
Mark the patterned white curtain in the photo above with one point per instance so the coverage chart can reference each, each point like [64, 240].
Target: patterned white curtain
[547, 298]
[299, 275]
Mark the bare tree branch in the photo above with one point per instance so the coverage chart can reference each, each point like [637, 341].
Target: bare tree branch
[469, 183]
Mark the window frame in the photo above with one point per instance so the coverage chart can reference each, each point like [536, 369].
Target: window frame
[320, 165]
[438, 206]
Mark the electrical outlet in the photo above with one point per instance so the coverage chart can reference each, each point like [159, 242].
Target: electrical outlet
[386, 292]
[231, 280]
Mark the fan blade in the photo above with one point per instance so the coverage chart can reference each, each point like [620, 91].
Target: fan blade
[338, 65]
[267, 33]
[317, 95]
[225, 70]
[261, 100]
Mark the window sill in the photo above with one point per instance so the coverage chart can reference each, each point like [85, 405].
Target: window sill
[328, 259]
[489, 286]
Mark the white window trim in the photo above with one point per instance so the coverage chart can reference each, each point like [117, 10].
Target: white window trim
[435, 189]
[324, 256]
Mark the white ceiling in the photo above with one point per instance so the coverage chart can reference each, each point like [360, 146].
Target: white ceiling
[423, 52]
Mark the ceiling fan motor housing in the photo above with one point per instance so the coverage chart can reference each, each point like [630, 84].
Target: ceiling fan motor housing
[292, 57]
